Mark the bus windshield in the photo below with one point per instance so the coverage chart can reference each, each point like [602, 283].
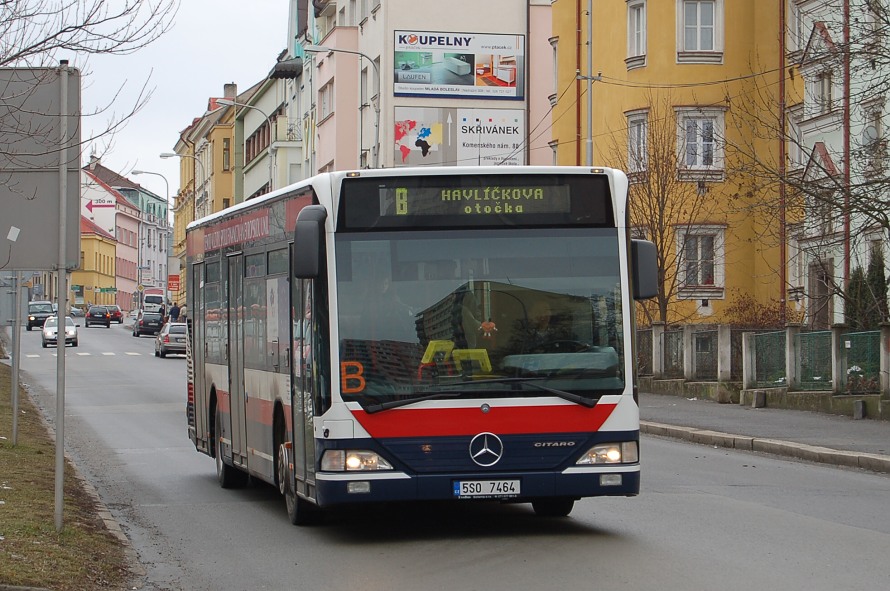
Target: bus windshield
[493, 313]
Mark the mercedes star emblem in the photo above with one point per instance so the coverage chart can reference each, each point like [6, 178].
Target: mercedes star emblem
[486, 449]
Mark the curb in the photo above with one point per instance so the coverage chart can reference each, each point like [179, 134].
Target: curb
[801, 451]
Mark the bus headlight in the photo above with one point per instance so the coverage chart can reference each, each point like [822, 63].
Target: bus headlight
[338, 460]
[626, 452]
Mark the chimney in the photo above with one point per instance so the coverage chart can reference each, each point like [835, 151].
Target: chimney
[94, 160]
[230, 90]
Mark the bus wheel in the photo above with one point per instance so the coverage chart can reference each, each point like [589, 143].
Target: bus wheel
[299, 511]
[227, 475]
[555, 507]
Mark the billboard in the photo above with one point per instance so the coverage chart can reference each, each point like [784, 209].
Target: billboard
[40, 106]
[459, 65]
[432, 136]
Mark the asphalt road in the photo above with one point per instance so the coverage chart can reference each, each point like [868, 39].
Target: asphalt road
[706, 518]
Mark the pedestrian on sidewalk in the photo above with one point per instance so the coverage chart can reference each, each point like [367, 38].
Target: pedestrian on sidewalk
[174, 312]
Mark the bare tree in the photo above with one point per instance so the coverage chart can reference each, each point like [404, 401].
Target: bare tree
[663, 205]
[33, 33]
[40, 33]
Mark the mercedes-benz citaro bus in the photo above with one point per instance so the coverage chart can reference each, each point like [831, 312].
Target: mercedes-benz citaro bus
[460, 333]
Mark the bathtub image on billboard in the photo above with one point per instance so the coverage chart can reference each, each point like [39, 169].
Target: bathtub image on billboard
[463, 65]
[432, 136]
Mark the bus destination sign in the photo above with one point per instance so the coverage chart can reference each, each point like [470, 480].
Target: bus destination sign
[474, 201]
[457, 201]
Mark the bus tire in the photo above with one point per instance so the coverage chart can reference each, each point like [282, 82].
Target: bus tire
[228, 476]
[299, 510]
[553, 507]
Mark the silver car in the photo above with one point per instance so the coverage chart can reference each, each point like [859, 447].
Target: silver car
[51, 330]
[171, 339]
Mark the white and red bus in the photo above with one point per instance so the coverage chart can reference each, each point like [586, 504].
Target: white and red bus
[410, 334]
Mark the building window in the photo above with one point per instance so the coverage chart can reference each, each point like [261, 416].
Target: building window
[376, 79]
[700, 144]
[701, 262]
[795, 141]
[363, 87]
[637, 148]
[822, 100]
[700, 31]
[227, 154]
[874, 143]
[796, 27]
[636, 33]
[326, 100]
[554, 43]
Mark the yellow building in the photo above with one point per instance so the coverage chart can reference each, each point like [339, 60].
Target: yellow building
[206, 176]
[684, 95]
[95, 279]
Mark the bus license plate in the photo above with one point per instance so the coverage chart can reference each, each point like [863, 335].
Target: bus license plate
[486, 488]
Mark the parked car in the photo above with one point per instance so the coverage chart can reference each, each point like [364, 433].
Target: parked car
[77, 312]
[51, 330]
[146, 323]
[171, 339]
[38, 312]
[116, 314]
[98, 315]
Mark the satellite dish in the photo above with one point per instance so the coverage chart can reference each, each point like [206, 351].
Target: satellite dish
[869, 135]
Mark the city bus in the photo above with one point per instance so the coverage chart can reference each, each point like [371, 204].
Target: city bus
[454, 333]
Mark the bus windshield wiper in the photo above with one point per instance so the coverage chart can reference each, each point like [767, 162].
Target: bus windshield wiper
[406, 401]
[570, 396]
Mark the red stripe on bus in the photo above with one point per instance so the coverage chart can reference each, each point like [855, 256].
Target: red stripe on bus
[470, 421]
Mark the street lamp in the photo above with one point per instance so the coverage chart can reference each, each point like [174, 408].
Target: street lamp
[324, 49]
[166, 155]
[230, 103]
[166, 276]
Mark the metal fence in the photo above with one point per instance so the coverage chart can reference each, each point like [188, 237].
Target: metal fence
[769, 359]
[814, 350]
[705, 348]
[644, 352]
[832, 360]
[863, 361]
[673, 354]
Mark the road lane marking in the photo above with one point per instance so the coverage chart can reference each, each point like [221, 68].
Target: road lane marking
[110, 354]
[132, 353]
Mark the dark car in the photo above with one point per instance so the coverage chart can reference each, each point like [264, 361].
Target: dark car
[171, 339]
[116, 314]
[38, 312]
[98, 315]
[147, 323]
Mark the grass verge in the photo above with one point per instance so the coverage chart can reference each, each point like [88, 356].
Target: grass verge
[84, 555]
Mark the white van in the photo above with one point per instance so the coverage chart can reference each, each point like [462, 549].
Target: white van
[152, 302]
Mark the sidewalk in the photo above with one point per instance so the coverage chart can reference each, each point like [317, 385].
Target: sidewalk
[812, 436]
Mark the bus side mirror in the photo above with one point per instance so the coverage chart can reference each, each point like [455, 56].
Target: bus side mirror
[644, 269]
[308, 238]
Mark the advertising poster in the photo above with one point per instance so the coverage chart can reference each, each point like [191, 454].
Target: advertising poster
[431, 136]
[462, 65]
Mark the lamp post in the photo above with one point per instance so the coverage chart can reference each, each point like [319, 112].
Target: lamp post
[166, 276]
[324, 49]
[231, 103]
[200, 164]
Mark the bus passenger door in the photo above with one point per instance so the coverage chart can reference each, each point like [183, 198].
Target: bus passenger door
[301, 401]
[197, 343]
[237, 396]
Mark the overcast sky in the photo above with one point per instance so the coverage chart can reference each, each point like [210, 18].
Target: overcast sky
[211, 43]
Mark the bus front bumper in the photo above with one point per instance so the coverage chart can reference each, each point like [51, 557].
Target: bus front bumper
[373, 487]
